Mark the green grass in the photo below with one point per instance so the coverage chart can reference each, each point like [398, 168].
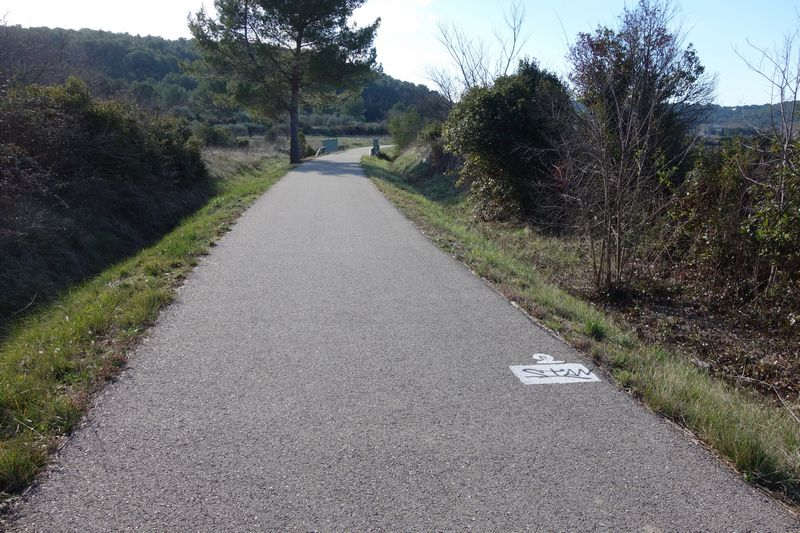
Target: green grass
[51, 361]
[759, 439]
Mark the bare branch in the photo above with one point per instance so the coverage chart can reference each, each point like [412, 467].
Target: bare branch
[445, 83]
[478, 64]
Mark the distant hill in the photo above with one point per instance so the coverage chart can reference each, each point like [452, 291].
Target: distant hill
[722, 121]
[157, 73]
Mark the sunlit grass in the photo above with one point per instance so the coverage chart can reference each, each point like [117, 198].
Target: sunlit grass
[52, 360]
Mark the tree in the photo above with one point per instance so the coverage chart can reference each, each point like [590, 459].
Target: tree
[640, 89]
[275, 51]
[508, 135]
[774, 219]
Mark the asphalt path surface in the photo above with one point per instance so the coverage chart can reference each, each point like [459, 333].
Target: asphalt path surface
[327, 368]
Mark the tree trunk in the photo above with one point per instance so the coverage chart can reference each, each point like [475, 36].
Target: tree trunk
[295, 150]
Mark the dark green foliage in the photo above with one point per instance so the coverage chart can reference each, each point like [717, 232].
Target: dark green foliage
[48, 56]
[277, 52]
[306, 149]
[154, 73]
[508, 135]
[214, 136]
[82, 184]
[385, 93]
[720, 121]
[404, 125]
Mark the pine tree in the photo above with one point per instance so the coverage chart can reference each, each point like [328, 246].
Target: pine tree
[275, 52]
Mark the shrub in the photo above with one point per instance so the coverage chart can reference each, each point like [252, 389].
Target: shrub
[738, 221]
[404, 125]
[82, 184]
[439, 160]
[209, 135]
[305, 149]
[508, 135]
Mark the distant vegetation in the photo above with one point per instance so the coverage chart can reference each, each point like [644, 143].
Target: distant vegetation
[167, 77]
[724, 122]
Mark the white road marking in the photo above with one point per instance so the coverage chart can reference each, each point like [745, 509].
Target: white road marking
[549, 371]
[545, 359]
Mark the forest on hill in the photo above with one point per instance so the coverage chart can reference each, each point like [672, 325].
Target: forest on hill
[167, 76]
[729, 121]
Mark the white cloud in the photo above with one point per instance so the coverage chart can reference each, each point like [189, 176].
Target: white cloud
[145, 17]
[406, 40]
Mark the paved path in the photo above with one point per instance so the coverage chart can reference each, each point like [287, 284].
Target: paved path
[327, 368]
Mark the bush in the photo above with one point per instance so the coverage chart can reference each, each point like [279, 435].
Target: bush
[739, 225]
[508, 135]
[439, 160]
[82, 184]
[209, 135]
[404, 125]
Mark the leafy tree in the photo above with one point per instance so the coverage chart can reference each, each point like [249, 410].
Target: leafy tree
[276, 50]
[508, 135]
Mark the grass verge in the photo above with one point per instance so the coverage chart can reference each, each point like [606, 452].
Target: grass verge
[51, 361]
[760, 440]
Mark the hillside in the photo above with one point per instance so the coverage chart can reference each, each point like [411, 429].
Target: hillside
[166, 76]
[727, 121]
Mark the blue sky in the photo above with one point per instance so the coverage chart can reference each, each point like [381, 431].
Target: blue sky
[715, 27]
[407, 45]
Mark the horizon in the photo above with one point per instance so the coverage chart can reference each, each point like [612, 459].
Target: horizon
[408, 31]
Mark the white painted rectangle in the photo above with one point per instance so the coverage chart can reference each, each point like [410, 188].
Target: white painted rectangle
[553, 374]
